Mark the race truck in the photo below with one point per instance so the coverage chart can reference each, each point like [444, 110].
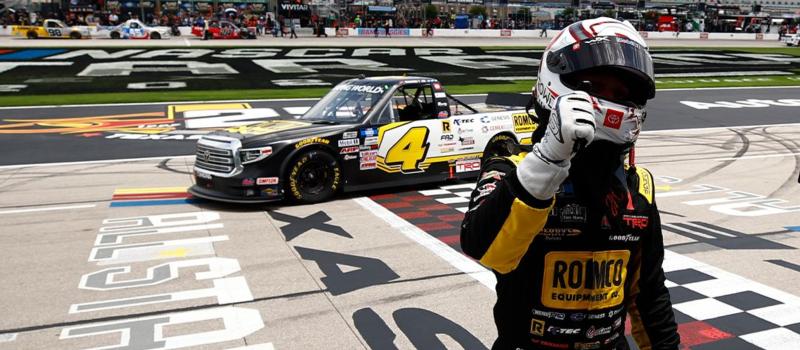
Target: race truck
[222, 30]
[792, 40]
[135, 29]
[366, 133]
[51, 28]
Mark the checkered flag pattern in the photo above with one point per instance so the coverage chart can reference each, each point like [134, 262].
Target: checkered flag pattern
[714, 309]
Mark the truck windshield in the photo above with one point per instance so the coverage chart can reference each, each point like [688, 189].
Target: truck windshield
[348, 102]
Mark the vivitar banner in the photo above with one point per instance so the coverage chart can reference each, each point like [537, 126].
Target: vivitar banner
[293, 10]
[63, 71]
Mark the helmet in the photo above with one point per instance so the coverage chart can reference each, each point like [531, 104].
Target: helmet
[609, 60]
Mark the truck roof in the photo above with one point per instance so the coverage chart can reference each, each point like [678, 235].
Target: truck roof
[398, 79]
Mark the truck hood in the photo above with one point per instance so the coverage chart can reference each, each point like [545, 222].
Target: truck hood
[273, 131]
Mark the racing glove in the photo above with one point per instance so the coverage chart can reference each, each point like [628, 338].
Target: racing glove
[571, 127]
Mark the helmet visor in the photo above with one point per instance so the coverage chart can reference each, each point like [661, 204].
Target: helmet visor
[606, 51]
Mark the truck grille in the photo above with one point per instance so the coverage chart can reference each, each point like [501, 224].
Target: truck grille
[214, 159]
[218, 155]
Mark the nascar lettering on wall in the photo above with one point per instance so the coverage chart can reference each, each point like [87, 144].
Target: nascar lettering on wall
[49, 71]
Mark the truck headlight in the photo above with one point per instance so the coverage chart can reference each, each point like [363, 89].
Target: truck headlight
[252, 155]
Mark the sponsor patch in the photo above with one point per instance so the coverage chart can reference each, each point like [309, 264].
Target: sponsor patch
[446, 126]
[467, 165]
[463, 121]
[594, 332]
[248, 182]
[351, 149]
[612, 338]
[484, 191]
[437, 86]
[624, 238]
[577, 317]
[537, 327]
[559, 233]
[369, 132]
[202, 175]
[584, 280]
[587, 346]
[613, 119]
[359, 88]
[467, 141]
[563, 331]
[350, 135]
[367, 165]
[350, 157]
[270, 192]
[573, 213]
[371, 140]
[368, 156]
[549, 314]
[463, 131]
[494, 174]
[617, 323]
[443, 114]
[636, 221]
[348, 142]
[490, 128]
[549, 344]
[440, 95]
[523, 123]
[447, 137]
[312, 140]
[267, 181]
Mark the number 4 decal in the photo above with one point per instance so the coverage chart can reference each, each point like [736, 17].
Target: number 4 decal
[410, 150]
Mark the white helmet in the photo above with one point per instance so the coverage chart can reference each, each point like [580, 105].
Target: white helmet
[600, 46]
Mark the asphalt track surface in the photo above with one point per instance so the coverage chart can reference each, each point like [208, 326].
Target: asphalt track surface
[64, 134]
[110, 253]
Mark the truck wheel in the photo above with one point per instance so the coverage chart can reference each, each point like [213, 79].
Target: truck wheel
[114, 35]
[155, 36]
[207, 36]
[313, 177]
[500, 145]
[74, 35]
[32, 34]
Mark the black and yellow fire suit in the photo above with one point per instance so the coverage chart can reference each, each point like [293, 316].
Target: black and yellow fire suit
[568, 273]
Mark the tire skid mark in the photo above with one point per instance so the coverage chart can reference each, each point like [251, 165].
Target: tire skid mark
[792, 146]
[742, 150]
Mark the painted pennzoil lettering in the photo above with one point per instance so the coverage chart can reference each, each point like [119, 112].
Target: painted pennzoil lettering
[584, 280]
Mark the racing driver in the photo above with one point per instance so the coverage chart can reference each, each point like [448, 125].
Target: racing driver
[571, 232]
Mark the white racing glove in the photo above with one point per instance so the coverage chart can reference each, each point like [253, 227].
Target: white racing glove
[571, 128]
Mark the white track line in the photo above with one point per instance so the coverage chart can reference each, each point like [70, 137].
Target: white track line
[442, 250]
[92, 162]
[17, 211]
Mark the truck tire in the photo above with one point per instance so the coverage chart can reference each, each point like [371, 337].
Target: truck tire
[312, 177]
[114, 35]
[32, 34]
[74, 35]
[155, 36]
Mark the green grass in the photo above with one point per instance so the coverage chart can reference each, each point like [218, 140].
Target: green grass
[210, 95]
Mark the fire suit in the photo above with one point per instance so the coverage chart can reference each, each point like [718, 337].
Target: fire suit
[569, 273]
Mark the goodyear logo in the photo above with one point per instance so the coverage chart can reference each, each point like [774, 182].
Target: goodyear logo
[584, 280]
[523, 123]
[313, 140]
